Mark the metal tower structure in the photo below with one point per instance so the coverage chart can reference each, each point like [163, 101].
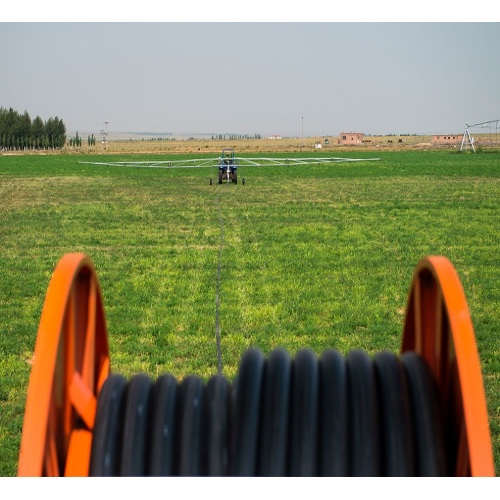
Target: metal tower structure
[468, 141]
[104, 133]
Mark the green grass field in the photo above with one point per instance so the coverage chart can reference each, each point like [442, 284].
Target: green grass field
[314, 257]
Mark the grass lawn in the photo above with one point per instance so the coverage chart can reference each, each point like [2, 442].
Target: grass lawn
[317, 257]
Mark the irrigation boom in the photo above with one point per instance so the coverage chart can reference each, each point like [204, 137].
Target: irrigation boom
[241, 162]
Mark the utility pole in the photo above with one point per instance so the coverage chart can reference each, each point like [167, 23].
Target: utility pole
[105, 136]
[302, 130]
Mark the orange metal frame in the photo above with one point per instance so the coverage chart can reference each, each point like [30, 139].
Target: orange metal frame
[71, 362]
[438, 326]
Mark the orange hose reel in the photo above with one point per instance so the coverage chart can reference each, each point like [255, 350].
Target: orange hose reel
[71, 363]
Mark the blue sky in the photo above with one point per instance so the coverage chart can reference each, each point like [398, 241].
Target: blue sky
[253, 77]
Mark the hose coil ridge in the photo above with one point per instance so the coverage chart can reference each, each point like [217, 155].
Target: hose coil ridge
[310, 415]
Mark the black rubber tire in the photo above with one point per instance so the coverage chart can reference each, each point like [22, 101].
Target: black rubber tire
[107, 435]
[304, 415]
[211, 181]
[245, 411]
[427, 425]
[333, 415]
[364, 435]
[190, 423]
[243, 181]
[273, 437]
[395, 416]
[163, 426]
[216, 451]
[135, 426]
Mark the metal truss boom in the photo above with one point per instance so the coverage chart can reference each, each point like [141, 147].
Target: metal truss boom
[240, 161]
[467, 140]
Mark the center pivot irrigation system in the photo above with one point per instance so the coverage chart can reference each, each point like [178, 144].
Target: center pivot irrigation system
[420, 413]
[468, 140]
[227, 164]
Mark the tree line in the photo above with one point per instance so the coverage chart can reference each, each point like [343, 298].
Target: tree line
[18, 131]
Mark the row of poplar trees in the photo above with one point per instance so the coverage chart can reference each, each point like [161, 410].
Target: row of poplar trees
[18, 131]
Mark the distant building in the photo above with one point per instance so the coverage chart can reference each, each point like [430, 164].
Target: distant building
[446, 139]
[347, 138]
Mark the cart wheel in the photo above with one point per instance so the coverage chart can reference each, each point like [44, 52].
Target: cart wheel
[211, 181]
[438, 326]
[243, 181]
[71, 363]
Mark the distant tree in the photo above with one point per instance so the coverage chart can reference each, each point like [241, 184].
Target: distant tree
[8, 122]
[23, 129]
[55, 130]
[3, 128]
[37, 132]
[50, 131]
[60, 132]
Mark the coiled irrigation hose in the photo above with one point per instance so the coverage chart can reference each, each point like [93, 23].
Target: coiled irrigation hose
[312, 415]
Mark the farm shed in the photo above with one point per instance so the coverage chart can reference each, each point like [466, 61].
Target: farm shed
[346, 138]
[446, 139]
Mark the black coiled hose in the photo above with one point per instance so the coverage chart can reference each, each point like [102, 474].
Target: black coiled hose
[307, 416]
